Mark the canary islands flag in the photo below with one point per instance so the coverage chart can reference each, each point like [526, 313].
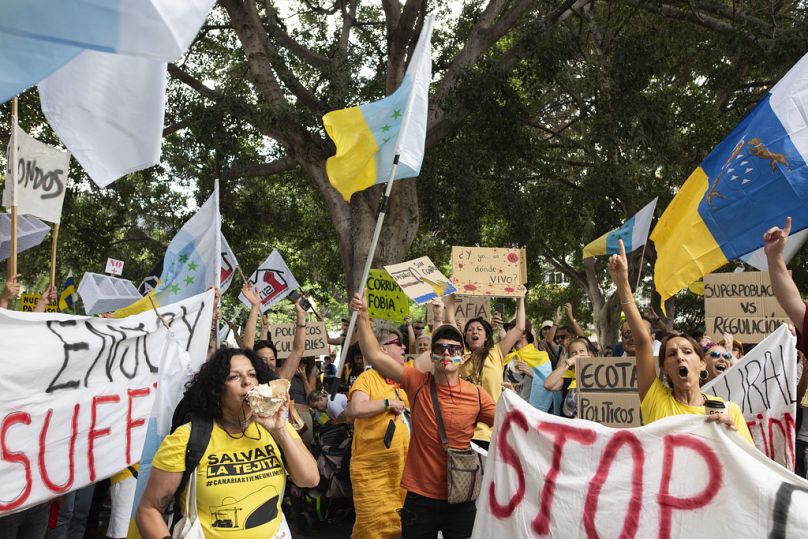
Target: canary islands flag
[369, 137]
[68, 296]
[634, 233]
[750, 182]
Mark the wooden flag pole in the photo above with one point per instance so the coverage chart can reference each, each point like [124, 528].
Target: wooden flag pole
[642, 263]
[54, 240]
[12, 177]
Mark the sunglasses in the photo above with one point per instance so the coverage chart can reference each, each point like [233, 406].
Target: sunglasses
[396, 342]
[452, 348]
[725, 355]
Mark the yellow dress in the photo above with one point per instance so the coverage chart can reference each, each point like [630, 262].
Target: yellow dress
[376, 470]
[490, 380]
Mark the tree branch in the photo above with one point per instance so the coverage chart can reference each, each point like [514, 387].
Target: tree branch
[277, 166]
[276, 29]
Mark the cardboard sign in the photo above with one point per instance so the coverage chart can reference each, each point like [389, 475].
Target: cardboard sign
[764, 384]
[607, 391]
[41, 173]
[466, 308]
[483, 271]
[114, 267]
[420, 280]
[77, 392]
[386, 300]
[28, 304]
[283, 335]
[547, 476]
[741, 304]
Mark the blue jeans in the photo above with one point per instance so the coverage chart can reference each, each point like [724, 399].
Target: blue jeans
[29, 524]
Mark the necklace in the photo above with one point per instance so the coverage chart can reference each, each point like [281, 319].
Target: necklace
[681, 401]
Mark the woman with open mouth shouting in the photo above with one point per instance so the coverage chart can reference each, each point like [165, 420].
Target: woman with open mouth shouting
[681, 361]
[718, 359]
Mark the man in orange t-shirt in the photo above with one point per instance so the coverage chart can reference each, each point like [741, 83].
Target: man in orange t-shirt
[426, 509]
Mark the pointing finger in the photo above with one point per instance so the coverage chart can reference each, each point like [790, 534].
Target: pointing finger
[622, 248]
[787, 228]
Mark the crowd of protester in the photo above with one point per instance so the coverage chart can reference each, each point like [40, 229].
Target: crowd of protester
[405, 399]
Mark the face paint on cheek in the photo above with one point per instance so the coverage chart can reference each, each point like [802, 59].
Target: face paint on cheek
[457, 359]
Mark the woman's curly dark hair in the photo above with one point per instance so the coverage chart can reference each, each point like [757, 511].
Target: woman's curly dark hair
[203, 392]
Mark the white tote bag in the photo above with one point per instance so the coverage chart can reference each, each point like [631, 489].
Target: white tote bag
[189, 526]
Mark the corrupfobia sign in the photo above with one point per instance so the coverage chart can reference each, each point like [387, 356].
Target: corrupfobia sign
[678, 477]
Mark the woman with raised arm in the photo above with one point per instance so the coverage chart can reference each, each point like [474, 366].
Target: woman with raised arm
[484, 360]
[681, 361]
[426, 507]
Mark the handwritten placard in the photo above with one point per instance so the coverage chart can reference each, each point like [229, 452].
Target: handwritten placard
[607, 391]
[283, 335]
[114, 267]
[28, 304]
[484, 271]
[386, 300]
[466, 308]
[420, 280]
[741, 304]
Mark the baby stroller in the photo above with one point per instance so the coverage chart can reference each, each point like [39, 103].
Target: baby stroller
[332, 500]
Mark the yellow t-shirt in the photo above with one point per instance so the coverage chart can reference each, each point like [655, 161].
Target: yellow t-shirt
[659, 402]
[369, 432]
[239, 481]
[490, 380]
[126, 473]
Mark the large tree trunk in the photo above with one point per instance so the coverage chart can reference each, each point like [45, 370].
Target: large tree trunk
[605, 311]
[356, 222]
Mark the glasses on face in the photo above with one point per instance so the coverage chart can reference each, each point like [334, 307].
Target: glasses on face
[454, 349]
[393, 342]
[717, 354]
[626, 334]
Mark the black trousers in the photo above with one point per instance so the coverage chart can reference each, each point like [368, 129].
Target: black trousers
[422, 518]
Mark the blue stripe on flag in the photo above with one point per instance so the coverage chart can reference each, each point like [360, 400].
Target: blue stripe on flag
[625, 232]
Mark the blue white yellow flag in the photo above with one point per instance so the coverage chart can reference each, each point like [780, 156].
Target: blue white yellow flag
[368, 137]
[68, 296]
[751, 181]
[634, 233]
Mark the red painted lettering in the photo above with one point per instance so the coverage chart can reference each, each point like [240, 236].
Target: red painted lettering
[133, 394]
[667, 502]
[43, 469]
[93, 434]
[631, 522]
[561, 433]
[16, 456]
[511, 458]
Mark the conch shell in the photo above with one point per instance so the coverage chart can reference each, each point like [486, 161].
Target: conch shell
[267, 399]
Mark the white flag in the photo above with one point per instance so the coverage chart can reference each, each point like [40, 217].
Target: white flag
[272, 280]
[41, 173]
[229, 264]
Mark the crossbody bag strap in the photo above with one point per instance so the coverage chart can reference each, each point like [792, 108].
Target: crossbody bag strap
[438, 417]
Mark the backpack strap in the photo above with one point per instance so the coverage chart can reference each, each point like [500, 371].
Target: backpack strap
[201, 429]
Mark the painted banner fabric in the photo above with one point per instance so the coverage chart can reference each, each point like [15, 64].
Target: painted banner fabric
[76, 392]
[547, 476]
[273, 280]
[41, 173]
[764, 385]
[634, 233]
[751, 181]
[368, 137]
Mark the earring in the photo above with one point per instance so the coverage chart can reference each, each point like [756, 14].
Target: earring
[703, 376]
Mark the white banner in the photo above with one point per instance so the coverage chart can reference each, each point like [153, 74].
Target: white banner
[41, 178]
[764, 385]
[76, 392]
[272, 280]
[548, 476]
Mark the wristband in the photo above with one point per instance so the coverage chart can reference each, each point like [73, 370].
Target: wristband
[301, 325]
[386, 404]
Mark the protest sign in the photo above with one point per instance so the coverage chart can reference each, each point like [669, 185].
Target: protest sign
[28, 304]
[742, 304]
[272, 280]
[548, 476]
[420, 280]
[41, 179]
[386, 300]
[607, 390]
[466, 308]
[114, 267]
[283, 335]
[483, 271]
[30, 233]
[764, 384]
[76, 391]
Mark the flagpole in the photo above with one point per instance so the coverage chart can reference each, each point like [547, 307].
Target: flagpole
[368, 263]
[54, 240]
[642, 263]
[218, 264]
[12, 177]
